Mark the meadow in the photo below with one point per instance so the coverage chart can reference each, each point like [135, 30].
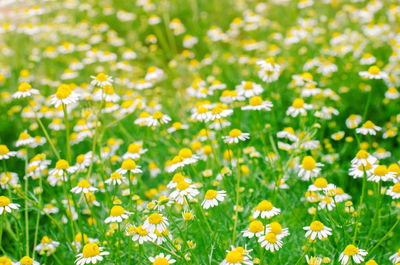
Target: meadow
[199, 132]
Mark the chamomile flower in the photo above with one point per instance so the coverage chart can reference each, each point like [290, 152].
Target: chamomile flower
[91, 253]
[394, 191]
[162, 259]
[184, 190]
[354, 253]
[64, 95]
[313, 260]
[395, 258]
[317, 230]
[265, 209]
[25, 90]
[6, 206]
[368, 128]
[47, 246]
[287, 133]
[117, 214]
[101, 80]
[270, 242]
[309, 168]
[129, 165]
[24, 139]
[257, 103]
[357, 171]
[249, 89]
[381, 172]
[142, 235]
[62, 166]
[373, 73]
[276, 228]
[212, 197]
[298, 107]
[363, 157]
[135, 150]
[158, 118]
[155, 221]
[235, 136]
[83, 187]
[256, 229]
[116, 178]
[237, 256]
[5, 153]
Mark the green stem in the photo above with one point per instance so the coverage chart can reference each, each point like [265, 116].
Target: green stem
[67, 132]
[360, 206]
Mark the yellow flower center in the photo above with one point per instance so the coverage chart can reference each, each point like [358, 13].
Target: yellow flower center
[78, 237]
[23, 136]
[276, 228]
[368, 166]
[101, 77]
[46, 240]
[4, 201]
[235, 133]
[265, 206]
[177, 125]
[320, 183]
[211, 194]
[160, 261]
[380, 170]
[248, 85]
[4, 149]
[128, 164]
[155, 219]
[308, 163]
[5, 261]
[23, 87]
[362, 154]
[117, 210]
[62, 164]
[90, 250]
[178, 177]
[202, 110]
[157, 115]
[84, 184]
[63, 91]
[182, 185]
[185, 153]
[350, 250]
[371, 262]
[217, 110]
[134, 148]
[116, 175]
[109, 90]
[316, 226]
[298, 103]
[80, 159]
[271, 238]
[256, 226]
[256, 101]
[141, 231]
[396, 189]
[374, 70]
[234, 257]
[26, 261]
[368, 125]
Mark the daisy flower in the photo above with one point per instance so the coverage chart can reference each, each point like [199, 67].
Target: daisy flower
[248, 89]
[129, 165]
[270, 242]
[6, 261]
[47, 245]
[353, 121]
[218, 112]
[309, 168]
[62, 166]
[155, 221]
[235, 135]
[184, 190]
[256, 103]
[237, 256]
[158, 118]
[358, 171]
[265, 209]
[91, 253]
[394, 191]
[212, 197]
[201, 113]
[27, 261]
[256, 228]
[24, 139]
[326, 202]
[277, 229]
[5, 153]
[25, 90]
[317, 229]
[313, 260]
[298, 107]
[6, 206]
[288, 133]
[176, 126]
[373, 73]
[321, 184]
[101, 80]
[381, 172]
[142, 235]
[83, 187]
[187, 155]
[161, 259]
[368, 128]
[64, 95]
[115, 179]
[363, 157]
[352, 252]
[117, 214]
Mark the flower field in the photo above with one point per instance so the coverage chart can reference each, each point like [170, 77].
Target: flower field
[199, 132]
